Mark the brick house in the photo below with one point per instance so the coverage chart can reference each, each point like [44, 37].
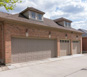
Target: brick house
[84, 40]
[29, 36]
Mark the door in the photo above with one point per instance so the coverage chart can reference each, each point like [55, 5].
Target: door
[76, 47]
[24, 49]
[64, 47]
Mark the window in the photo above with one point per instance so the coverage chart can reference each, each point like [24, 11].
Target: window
[36, 16]
[64, 41]
[33, 15]
[39, 16]
[67, 24]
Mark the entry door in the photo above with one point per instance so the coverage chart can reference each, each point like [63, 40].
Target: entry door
[24, 50]
[64, 47]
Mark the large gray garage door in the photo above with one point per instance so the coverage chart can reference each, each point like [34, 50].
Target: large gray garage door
[64, 47]
[24, 50]
[76, 47]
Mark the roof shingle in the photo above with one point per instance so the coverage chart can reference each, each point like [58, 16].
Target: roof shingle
[47, 22]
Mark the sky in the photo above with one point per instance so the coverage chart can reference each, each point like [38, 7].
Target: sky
[74, 10]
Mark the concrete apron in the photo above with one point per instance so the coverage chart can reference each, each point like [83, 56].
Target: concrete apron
[25, 64]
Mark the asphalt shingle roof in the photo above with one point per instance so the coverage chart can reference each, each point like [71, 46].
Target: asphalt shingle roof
[47, 22]
[84, 32]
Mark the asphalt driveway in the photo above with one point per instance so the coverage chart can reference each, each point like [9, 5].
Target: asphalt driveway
[72, 67]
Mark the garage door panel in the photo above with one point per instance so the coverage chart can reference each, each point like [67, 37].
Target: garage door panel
[76, 47]
[63, 53]
[64, 47]
[33, 49]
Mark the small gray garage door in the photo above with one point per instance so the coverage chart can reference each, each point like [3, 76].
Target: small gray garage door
[64, 47]
[76, 47]
[24, 50]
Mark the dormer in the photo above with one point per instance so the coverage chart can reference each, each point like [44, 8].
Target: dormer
[63, 22]
[32, 13]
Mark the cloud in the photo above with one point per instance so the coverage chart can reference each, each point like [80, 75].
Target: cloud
[72, 9]
[80, 24]
[75, 10]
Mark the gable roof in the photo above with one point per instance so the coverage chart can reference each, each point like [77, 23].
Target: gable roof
[32, 9]
[84, 32]
[62, 19]
[47, 22]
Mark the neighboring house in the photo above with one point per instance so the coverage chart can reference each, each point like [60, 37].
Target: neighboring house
[29, 36]
[84, 40]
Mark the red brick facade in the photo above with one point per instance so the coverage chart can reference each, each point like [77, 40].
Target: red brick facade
[84, 44]
[0, 41]
[16, 30]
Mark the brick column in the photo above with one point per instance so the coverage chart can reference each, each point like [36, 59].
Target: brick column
[81, 45]
[7, 44]
[58, 47]
[71, 47]
[7, 52]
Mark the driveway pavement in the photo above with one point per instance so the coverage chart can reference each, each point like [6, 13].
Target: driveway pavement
[70, 67]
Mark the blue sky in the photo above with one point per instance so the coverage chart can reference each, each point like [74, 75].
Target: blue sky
[75, 10]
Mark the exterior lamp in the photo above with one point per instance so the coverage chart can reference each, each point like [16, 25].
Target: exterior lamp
[49, 34]
[66, 36]
[27, 33]
[77, 37]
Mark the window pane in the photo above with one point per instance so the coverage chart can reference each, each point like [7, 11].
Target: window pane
[65, 23]
[33, 14]
[68, 24]
[39, 17]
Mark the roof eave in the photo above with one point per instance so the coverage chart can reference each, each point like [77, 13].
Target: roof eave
[41, 25]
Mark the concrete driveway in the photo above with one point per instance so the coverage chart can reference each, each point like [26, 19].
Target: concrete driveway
[72, 67]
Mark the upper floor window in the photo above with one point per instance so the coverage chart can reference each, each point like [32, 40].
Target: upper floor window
[67, 24]
[33, 15]
[39, 17]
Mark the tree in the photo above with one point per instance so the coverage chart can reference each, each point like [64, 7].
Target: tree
[9, 4]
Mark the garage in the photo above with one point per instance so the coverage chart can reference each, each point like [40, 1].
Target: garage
[24, 49]
[64, 47]
[76, 47]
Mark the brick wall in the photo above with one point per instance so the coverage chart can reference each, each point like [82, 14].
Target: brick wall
[84, 44]
[16, 30]
[1, 43]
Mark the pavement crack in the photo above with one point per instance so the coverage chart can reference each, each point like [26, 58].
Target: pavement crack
[85, 69]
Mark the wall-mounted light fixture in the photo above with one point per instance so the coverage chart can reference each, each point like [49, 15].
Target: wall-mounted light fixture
[49, 34]
[66, 36]
[27, 33]
[77, 37]
[72, 32]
